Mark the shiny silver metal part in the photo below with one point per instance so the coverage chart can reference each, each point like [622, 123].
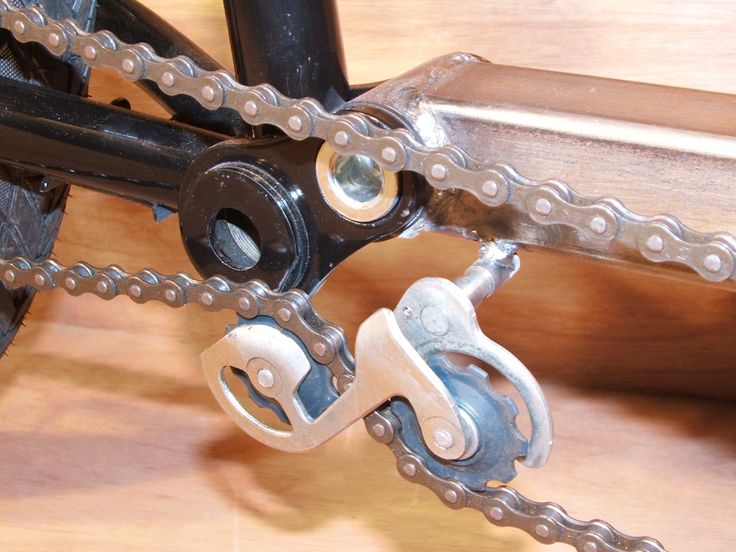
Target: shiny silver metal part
[542, 211]
[389, 367]
[438, 316]
[355, 186]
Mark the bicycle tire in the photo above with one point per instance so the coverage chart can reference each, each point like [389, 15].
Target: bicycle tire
[29, 218]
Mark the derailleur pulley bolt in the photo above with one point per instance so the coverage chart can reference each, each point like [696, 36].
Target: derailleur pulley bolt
[265, 378]
[443, 439]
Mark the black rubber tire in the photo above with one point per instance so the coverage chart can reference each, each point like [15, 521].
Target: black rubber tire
[29, 220]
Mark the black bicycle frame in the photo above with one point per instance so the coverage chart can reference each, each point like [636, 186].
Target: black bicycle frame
[295, 46]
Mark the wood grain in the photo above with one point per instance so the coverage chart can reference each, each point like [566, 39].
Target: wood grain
[111, 440]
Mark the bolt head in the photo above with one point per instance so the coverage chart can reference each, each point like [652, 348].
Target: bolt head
[265, 378]
[655, 243]
[713, 263]
[543, 206]
[443, 439]
[379, 431]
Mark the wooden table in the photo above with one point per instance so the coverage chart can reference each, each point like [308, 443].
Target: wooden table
[112, 441]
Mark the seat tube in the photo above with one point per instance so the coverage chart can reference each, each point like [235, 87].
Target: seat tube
[295, 46]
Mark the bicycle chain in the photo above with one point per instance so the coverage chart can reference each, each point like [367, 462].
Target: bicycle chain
[659, 239]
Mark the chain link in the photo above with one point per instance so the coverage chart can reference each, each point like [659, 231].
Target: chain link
[657, 238]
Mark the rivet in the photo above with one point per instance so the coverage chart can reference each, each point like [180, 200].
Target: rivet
[342, 138]
[713, 263]
[388, 154]
[170, 295]
[320, 349]
[542, 530]
[451, 496]
[10, 276]
[19, 27]
[489, 188]
[90, 52]
[251, 108]
[543, 206]
[598, 224]
[70, 282]
[102, 286]
[53, 40]
[265, 378]
[39, 279]
[590, 547]
[135, 290]
[244, 303]
[208, 93]
[496, 513]
[409, 469]
[443, 439]
[285, 314]
[206, 298]
[655, 243]
[438, 171]
[168, 79]
[295, 123]
[128, 65]
[379, 431]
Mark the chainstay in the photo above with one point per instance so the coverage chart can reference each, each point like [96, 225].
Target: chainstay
[292, 310]
[659, 239]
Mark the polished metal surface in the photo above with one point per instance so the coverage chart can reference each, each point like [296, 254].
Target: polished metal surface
[542, 212]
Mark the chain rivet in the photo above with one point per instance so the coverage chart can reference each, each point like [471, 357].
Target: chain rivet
[443, 439]
[265, 378]
[598, 224]
[590, 547]
[102, 286]
[39, 280]
[342, 138]
[251, 108]
[388, 154]
[19, 27]
[128, 65]
[285, 314]
[655, 243]
[207, 298]
[379, 431]
[543, 206]
[451, 496]
[168, 79]
[208, 93]
[438, 171]
[53, 40]
[244, 303]
[170, 295]
[295, 123]
[496, 513]
[320, 349]
[542, 530]
[713, 263]
[135, 290]
[90, 52]
[490, 188]
[10, 275]
[70, 282]
[409, 469]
